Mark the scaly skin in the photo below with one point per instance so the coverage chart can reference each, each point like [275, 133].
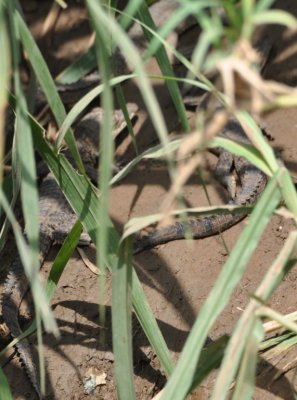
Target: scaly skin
[252, 183]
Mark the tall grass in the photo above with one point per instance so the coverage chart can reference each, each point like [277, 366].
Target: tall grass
[218, 46]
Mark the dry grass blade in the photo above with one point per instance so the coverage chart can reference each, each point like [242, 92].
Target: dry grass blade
[92, 267]
[272, 326]
[51, 19]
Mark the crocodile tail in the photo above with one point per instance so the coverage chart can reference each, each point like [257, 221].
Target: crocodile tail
[167, 234]
[195, 228]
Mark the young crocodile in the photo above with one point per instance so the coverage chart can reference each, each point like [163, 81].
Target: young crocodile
[252, 181]
[56, 219]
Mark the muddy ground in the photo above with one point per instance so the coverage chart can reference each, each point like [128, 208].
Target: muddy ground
[176, 277]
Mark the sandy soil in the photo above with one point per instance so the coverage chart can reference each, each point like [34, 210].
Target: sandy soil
[176, 277]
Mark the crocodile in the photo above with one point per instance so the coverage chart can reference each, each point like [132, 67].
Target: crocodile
[251, 183]
[55, 219]
[54, 207]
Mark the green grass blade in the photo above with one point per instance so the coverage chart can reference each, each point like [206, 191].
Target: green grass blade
[289, 192]
[5, 66]
[136, 224]
[24, 162]
[178, 16]
[282, 343]
[181, 380]
[121, 307]
[62, 258]
[267, 312]
[211, 358]
[24, 147]
[80, 106]
[165, 67]
[133, 57]
[273, 343]
[279, 17]
[244, 327]
[263, 5]
[84, 202]
[128, 13]
[87, 61]
[154, 152]
[4, 78]
[149, 325]
[46, 82]
[123, 106]
[256, 137]
[245, 150]
[121, 322]
[5, 390]
[79, 68]
[245, 384]
[7, 187]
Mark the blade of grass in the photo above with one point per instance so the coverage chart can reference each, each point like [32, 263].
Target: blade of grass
[245, 150]
[29, 196]
[211, 358]
[181, 380]
[83, 199]
[122, 323]
[136, 224]
[245, 384]
[62, 258]
[44, 77]
[267, 312]
[123, 106]
[5, 390]
[165, 66]
[279, 17]
[4, 78]
[180, 15]
[133, 57]
[121, 277]
[263, 5]
[87, 61]
[284, 343]
[78, 108]
[256, 137]
[79, 68]
[5, 67]
[269, 344]
[244, 327]
[154, 152]
[24, 148]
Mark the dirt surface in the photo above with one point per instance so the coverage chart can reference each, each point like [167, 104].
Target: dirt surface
[176, 277]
